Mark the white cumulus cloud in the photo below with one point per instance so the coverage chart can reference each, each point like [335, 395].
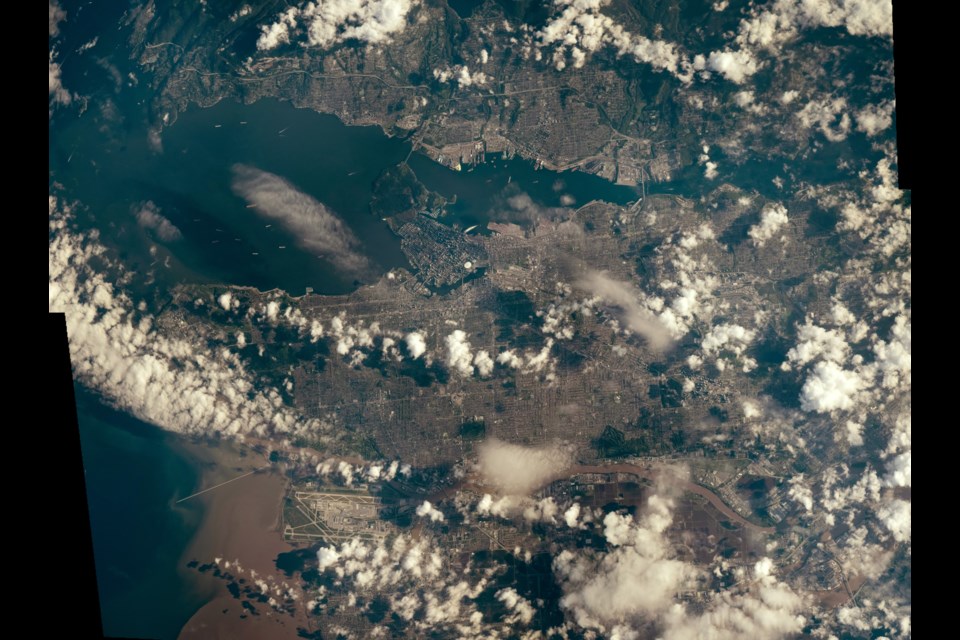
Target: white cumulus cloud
[735, 66]
[332, 22]
[459, 358]
[772, 219]
[828, 388]
[636, 580]
[416, 344]
[580, 28]
[874, 119]
[427, 510]
[895, 516]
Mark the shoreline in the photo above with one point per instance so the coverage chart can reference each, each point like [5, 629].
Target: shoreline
[240, 526]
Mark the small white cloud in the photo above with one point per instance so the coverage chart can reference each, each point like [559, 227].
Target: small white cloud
[523, 611]
[149, 217]
[772, 219]
[516, 469]
[829, 115]
[840, 315]
[327, 557]
[815, 342]
[484, 363]
[735, 66]
[272, 310]
[416, 344]
[242, 12]
[874, 119]
[86, 46]
[459, 358]
[743, 99]
[571, 515]
[731, 337]
[427, 510]
[345, 469]
[273, 35]
[509, 359]
[710, 170]
[853, 432]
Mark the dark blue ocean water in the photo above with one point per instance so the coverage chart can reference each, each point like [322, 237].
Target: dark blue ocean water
[134, 474]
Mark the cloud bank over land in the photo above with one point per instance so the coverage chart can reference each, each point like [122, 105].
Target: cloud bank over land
[423, 586]
[622, 591]
[333, 22]
[580, 29]
[771, 25]
[636, 579]
[172, 380]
